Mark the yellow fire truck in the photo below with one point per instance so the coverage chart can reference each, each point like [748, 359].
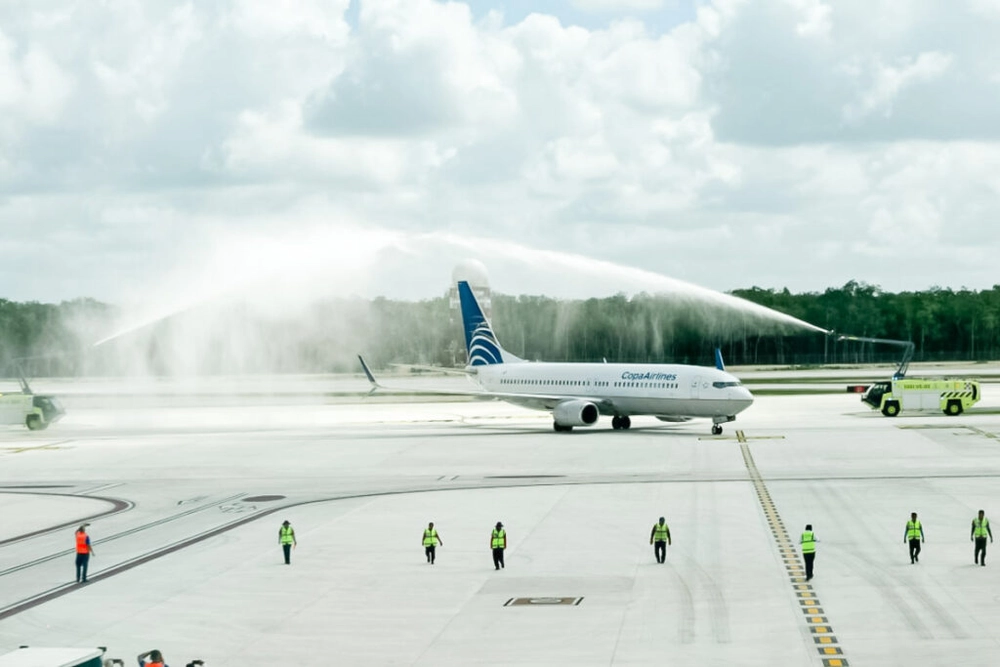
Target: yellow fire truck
[952, 397]
[25, 407]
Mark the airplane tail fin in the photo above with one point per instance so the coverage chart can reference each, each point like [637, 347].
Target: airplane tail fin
[718, 359]
[480, 342]
[371, 378]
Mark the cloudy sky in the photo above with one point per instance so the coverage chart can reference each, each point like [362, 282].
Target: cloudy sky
[797, 143]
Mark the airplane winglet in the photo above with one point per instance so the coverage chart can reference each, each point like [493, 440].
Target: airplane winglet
[718, 359]
[368, 373]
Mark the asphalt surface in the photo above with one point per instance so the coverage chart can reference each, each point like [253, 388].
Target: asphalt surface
[185, 496]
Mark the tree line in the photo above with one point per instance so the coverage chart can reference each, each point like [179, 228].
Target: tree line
[325, 336]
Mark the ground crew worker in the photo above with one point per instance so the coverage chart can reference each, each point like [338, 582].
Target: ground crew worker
[808, 543]
[498, 542]
[431, 540]
[83, 553]
[914, 535]
[155, 659]
[980, 529]
[286, 538]
[660, 538]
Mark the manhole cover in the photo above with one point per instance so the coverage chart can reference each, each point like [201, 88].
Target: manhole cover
[543, 602]
[262, 499]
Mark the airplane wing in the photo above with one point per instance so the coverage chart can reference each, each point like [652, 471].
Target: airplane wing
[535, 401]
[437, 369]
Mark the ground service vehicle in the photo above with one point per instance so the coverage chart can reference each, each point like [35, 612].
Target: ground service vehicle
[952, 397]
[35, 412]
[54, 657]
[24, 407]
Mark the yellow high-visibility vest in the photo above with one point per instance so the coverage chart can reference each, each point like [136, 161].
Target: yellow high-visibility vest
[660, 533]
[912, 530]
[808, 542]
[430, 538]
[980, 528]
[287, 535]
[498, 538]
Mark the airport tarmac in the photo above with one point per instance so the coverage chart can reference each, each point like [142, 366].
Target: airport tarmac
[185, 499]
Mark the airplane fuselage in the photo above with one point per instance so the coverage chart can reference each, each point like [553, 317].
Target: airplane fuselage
[662, 390]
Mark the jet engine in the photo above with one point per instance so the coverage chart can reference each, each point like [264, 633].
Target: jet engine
[575, 413]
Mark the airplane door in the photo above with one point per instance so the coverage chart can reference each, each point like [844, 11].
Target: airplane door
[695, 383]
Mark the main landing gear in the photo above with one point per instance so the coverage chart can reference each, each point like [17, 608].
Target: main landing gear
[716, 429]
[621, 423]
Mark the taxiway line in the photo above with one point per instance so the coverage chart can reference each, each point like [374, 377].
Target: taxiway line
[830, 652]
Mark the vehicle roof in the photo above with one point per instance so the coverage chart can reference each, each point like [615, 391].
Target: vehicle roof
[49, 657]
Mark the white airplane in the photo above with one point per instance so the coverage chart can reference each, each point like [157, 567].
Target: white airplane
[578, 393]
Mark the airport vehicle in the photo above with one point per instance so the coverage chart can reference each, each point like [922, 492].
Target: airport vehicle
[54, 657]
[25, 407]
[577, 394]
[952, 397]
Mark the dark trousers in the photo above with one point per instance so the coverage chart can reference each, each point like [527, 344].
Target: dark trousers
[497, 558]
[660, 550]
[287, 548]
[81, 566]
[429, 551]
[914, 551]
[809, 558]
[981, 548]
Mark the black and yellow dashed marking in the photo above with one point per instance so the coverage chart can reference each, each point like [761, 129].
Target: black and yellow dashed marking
[966, 393]
[827, 646]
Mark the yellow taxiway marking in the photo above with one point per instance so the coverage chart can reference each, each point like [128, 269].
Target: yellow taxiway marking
[18, 450]
[818, 624]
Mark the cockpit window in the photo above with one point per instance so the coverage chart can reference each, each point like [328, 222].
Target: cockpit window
[722, 385]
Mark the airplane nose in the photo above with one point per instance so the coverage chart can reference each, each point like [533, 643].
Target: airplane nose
[744, 397]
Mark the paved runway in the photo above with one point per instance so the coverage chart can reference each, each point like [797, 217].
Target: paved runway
[185, 504]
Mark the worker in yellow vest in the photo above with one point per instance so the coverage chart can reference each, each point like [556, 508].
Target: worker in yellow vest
[286, 538]
[431, 540]
[808, 544]
[660, 538]
[498, 542]
[980, 529]
[914, 535]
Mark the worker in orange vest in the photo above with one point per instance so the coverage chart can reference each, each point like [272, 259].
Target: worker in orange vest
[83, 553]
[155, 659]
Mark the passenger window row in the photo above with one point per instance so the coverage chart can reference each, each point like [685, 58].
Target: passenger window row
[555, 383]
[598, 383]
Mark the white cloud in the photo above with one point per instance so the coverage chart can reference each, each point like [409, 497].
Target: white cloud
[743, 139]
[33, 86]
[618, 5]
[987, 8]
[814, 17]
[888, 81]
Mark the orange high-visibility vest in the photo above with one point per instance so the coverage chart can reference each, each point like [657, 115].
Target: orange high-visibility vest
[81, 543]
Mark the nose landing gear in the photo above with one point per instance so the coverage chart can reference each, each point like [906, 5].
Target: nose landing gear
[718, 421]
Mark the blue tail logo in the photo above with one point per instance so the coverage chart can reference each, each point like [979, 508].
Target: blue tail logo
[480, 341]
